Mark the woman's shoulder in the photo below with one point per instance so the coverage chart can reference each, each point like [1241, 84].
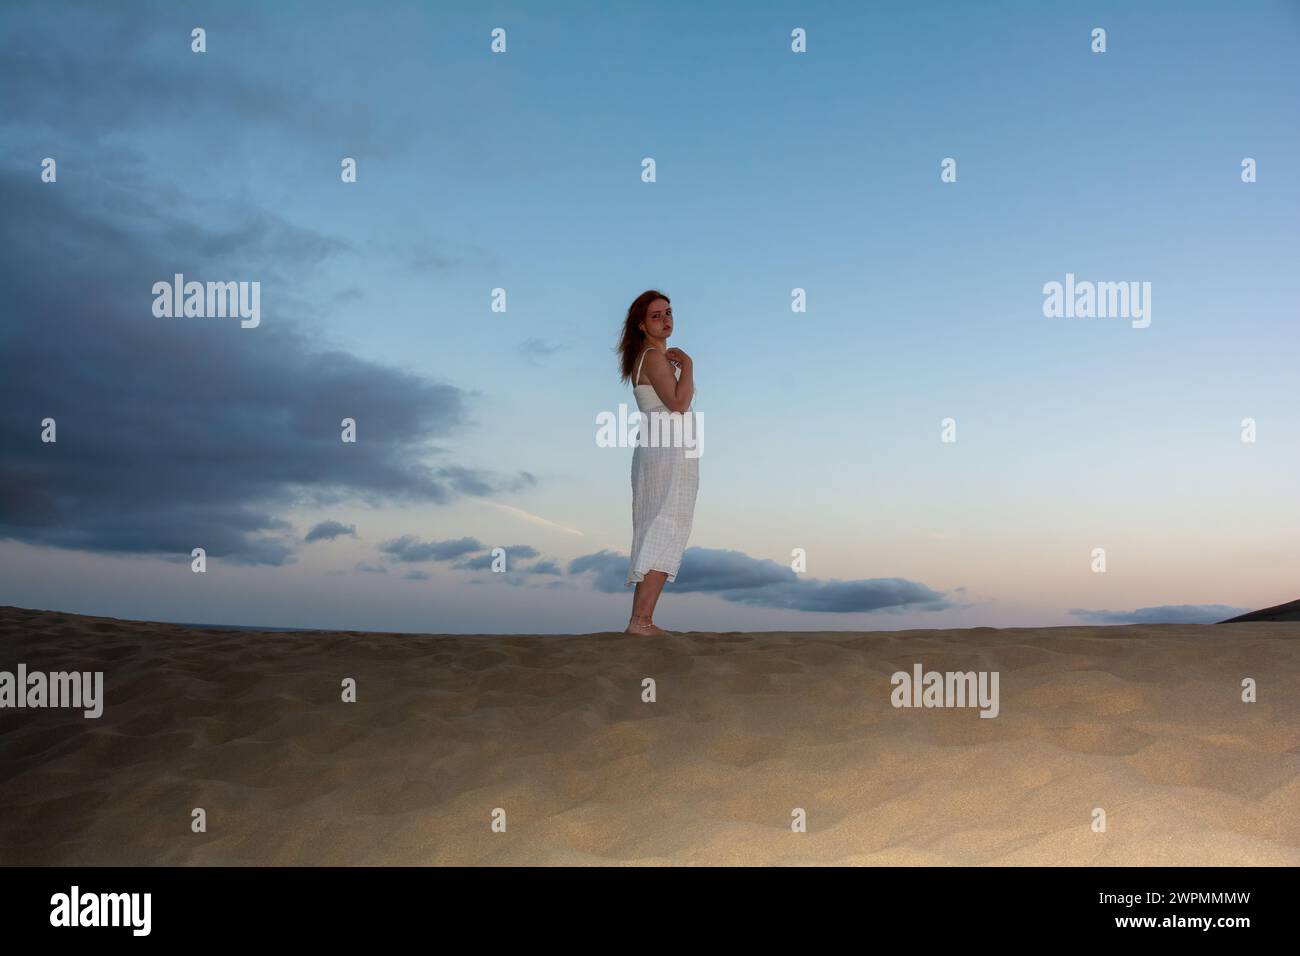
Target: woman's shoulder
[646, 354]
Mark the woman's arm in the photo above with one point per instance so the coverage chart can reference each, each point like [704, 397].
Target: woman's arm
[675, 393]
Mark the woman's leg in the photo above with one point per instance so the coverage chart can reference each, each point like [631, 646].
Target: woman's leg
[646, 597]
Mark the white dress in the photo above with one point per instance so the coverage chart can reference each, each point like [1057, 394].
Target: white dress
[664, 483]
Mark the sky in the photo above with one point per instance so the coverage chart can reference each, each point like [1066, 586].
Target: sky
[774, 170]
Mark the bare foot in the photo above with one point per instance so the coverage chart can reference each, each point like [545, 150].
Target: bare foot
[644, 627]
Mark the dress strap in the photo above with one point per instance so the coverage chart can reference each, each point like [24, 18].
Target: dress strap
[637, 378]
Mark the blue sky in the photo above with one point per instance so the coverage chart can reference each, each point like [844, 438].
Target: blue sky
[774, 171]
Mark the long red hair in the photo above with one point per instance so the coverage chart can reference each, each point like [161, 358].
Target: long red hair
[633, 339]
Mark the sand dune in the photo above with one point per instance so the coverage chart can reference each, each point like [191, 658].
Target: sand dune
[1145, 722]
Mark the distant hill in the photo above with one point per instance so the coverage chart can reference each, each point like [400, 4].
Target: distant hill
[1282, 612]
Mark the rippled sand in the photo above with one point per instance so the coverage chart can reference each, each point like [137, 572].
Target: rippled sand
[1145, 722]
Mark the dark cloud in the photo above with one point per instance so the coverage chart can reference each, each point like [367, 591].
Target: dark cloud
[513, 553]
[709, 569]
[608, 567]
[519, 577]
[735, 576]
[469, 481]
[1164, 614]
[329, 530]
[175, 433]
[410, 548]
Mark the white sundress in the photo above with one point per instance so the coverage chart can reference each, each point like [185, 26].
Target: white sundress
[664, 484]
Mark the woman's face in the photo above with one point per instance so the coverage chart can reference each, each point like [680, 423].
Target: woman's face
[658, 321]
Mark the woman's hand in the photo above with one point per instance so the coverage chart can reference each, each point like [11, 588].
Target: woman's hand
[678, 357]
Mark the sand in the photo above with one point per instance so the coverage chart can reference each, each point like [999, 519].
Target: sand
[1144, 722]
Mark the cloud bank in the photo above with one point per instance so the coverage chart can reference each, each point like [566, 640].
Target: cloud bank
[176, 433]
[329, 530]
[1164, 614]
[735, 576]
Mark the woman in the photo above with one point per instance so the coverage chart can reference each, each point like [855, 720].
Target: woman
[664, 478]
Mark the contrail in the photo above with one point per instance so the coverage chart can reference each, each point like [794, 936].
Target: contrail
[527, 516]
